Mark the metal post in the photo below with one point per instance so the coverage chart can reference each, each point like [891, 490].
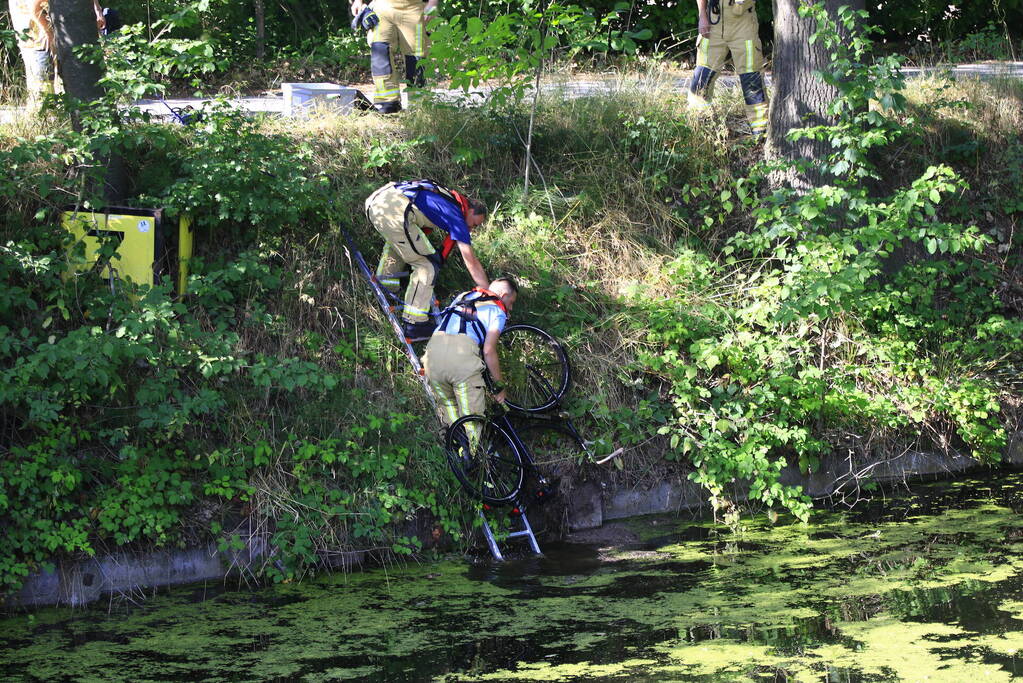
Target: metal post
[530, 535]
[491, 541]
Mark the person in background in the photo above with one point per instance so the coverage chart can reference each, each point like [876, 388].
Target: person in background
[730, 26]
[393, 26]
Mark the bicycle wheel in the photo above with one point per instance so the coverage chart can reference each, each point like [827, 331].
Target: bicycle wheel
[484, 459]
[552, 446]
[535, 368]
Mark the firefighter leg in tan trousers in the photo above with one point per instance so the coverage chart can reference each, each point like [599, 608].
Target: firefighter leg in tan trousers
[454, 369]
[737, 33]
[399, 30]
[405, 244]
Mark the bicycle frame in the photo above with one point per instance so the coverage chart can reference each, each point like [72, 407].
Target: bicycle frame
[527, 455]
[506, 419]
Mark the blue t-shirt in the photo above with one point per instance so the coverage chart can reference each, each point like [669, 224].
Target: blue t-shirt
[443, 213]
[490, 315]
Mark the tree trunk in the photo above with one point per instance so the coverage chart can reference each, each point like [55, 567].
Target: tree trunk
[74, 24]
[260, 29]
[799, 98]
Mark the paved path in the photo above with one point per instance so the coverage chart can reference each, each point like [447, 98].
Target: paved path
[582, 88]
[571, 89]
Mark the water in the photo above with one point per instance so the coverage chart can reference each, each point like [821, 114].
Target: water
[926, 587]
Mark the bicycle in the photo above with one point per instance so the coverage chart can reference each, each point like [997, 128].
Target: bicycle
[491, 457]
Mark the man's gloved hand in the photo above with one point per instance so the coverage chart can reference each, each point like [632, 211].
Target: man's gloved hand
[367, 20]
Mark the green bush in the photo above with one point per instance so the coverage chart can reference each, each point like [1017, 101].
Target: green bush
[812, 331]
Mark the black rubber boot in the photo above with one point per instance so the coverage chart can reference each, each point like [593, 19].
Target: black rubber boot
[388, 107]
[418, 331]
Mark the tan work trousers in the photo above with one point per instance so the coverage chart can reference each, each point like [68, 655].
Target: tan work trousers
[405, 244]
[454, 369]
[399, 30]
[737, 34]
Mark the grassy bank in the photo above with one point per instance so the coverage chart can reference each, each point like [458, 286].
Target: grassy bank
[717, 330]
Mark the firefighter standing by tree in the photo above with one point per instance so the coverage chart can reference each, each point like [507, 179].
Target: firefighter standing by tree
[393, 25]
[403, 213]
[31, 22]
[730, 26]
[465, 342]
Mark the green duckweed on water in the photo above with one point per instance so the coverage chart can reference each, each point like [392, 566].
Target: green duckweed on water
[925, 587]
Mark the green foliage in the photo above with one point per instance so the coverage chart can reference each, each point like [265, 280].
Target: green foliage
[659, 147]
[813, 331]
[508, 50]
[771, 329]
[139, 60]
[646, 25]
[231, 171]
[123, 407]
[861, 80]
[940, 23]
[511, 46]
[988, 42]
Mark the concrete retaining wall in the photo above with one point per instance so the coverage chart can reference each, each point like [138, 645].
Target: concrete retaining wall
[80, 582]
[590, 504]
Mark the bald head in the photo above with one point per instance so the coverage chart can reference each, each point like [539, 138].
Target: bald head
[507, 289]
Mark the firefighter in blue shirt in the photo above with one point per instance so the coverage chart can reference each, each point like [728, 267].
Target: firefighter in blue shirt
[404, 213]
[465, 343]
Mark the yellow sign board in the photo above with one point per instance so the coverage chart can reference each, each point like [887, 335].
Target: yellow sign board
[137, 234]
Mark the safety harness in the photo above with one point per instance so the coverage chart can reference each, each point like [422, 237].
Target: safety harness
[714, 10]
[465, 308]
[412, 188]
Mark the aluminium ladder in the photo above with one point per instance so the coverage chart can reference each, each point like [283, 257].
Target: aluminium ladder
[389, 310]
[527, 531]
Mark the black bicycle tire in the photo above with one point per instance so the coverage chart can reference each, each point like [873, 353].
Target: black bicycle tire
[558, 384]
[509, 461]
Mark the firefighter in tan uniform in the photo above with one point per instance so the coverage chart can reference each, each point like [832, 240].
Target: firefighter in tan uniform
[464, 344]
[730, 26]
[404, 213]
[31, 22]
[394, 26]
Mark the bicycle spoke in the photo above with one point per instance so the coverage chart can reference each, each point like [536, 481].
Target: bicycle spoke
[484, 459]
[534, 366]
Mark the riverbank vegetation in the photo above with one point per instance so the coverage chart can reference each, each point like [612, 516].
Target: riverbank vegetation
[721, 327]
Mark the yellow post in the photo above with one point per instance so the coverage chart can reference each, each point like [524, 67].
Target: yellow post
[184, 251]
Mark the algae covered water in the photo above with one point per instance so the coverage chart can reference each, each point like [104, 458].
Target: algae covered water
[927, 586]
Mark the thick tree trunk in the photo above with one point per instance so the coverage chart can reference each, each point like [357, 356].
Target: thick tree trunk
[799, 98]
[74, 24]
[260, 29]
